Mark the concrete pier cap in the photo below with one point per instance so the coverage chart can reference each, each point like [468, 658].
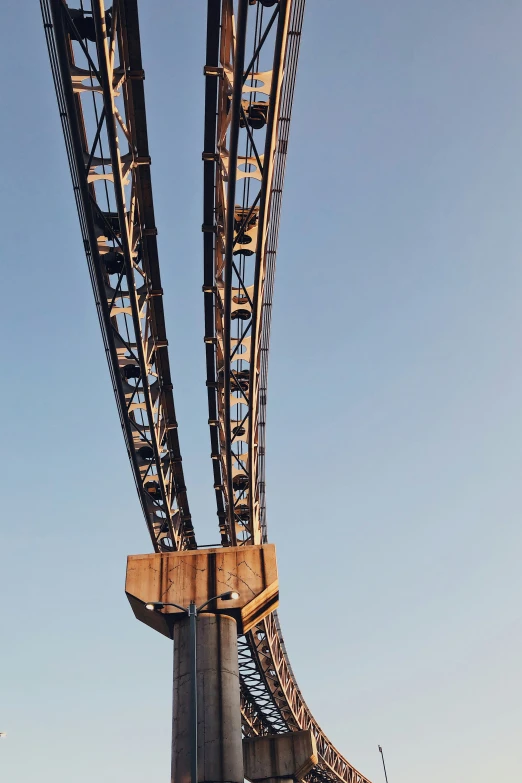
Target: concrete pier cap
[199, 574]
[206, 735]
[279, 757]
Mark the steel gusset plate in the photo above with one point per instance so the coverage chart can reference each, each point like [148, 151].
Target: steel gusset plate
[97, 70]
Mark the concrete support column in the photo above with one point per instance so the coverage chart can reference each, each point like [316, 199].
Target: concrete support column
[168, 591]
[280, 758]
[220, 756]
[276, 780]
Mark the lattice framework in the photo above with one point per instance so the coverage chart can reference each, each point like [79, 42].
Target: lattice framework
[97, 70]
[250, 75]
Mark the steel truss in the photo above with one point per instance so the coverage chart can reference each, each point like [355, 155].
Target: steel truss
[272, 702]
[97, 70]
[250, 72]
[96, 64]
[251, 62]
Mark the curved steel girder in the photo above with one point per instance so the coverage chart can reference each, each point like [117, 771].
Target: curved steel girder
[96, 64]
[271, 699]
[243, 157]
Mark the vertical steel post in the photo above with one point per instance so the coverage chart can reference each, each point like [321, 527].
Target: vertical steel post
[193, 614]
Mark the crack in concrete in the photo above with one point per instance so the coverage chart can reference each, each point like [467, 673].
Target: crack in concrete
[244, 562]
[240, 579]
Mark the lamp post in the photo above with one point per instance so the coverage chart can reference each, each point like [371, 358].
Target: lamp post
[383, 764]
[192, 611]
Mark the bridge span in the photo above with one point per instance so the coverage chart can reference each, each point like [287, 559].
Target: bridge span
[252, 50]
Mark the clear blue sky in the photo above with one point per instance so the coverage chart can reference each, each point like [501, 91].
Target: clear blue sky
[395, 398]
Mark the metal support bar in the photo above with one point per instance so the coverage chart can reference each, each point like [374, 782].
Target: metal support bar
[192, 613]
[239, 61]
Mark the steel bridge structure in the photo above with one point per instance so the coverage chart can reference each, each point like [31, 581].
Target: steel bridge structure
[252, 49]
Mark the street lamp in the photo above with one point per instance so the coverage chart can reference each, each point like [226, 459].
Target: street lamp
[383, 764]
[192, 611]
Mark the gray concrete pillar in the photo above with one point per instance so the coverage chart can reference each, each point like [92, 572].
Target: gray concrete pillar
[220, 755]
[276, 780]
[279, 758]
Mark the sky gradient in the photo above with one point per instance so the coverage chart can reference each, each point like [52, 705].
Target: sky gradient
[394, 434]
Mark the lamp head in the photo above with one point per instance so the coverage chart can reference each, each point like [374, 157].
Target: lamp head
[232, 595]
[152, 607]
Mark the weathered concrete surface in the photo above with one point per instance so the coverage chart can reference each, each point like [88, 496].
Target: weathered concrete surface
[197, 575]
[279, 757]
[220, 755]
